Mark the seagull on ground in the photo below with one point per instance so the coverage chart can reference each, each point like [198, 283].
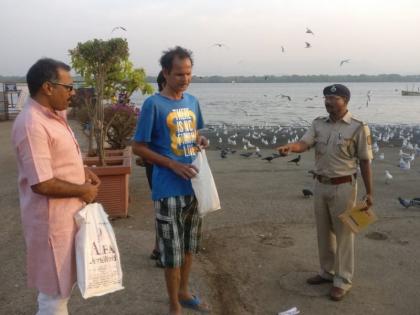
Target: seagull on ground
[388, 177]
[246, 154]
[405, 164]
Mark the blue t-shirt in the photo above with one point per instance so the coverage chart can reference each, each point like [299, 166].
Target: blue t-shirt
[169, 127]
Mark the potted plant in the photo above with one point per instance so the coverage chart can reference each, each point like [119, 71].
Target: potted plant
[104, 67]
[122, 120]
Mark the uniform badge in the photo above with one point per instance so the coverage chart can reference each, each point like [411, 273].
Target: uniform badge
[333, 89]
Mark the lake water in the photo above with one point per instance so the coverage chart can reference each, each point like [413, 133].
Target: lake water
[261, 104]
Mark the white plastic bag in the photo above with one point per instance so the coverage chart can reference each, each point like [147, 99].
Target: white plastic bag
[204, 187]
[98, 260]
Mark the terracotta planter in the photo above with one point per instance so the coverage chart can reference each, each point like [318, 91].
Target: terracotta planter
[114, 190]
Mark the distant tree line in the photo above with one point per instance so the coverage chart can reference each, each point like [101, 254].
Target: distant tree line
[276, 79]
[14, 79]
[303, 78]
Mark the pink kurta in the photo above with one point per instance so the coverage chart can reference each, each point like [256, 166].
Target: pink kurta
[46, 147]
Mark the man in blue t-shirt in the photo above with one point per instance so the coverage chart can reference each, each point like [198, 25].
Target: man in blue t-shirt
[167, 136]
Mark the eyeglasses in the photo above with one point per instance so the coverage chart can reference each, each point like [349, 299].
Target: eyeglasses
[69, 87]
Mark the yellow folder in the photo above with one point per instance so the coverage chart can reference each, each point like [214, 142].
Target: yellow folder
[357, 218]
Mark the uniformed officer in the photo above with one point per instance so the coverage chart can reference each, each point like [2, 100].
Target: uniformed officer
[341, 143]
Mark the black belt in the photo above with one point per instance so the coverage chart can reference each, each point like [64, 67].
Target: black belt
[335, 180]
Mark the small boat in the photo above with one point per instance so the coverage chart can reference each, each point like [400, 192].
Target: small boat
[410, 93]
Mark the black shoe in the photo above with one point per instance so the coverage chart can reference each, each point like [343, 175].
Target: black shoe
[155, 255]
[317, 280]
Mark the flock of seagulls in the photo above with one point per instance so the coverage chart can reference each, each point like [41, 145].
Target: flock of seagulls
[307, 44]
[283, 50]
[232, 138]
[404, 136]
[252, 138]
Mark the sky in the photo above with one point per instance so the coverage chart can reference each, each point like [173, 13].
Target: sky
[377, 36]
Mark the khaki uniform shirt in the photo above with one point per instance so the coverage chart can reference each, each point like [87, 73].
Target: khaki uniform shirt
[338, 145]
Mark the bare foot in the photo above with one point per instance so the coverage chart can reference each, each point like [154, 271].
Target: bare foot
[175, 311]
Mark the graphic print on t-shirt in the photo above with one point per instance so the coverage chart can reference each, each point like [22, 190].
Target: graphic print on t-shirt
[182, 124]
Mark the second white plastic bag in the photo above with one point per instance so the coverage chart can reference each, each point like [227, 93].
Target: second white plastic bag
[204, 186]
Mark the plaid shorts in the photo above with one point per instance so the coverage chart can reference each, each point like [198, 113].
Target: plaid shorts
[178, 228]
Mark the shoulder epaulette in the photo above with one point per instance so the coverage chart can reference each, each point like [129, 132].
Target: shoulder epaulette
[358, 120]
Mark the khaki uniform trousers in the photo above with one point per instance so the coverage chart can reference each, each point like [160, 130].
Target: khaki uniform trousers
[335, 240]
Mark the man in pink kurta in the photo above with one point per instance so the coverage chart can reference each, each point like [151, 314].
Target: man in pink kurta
[53, 184]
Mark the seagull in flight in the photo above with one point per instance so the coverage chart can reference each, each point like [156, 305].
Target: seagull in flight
[220, 45]
[344, 61]
[286, 96]
[308, 31]
[119, 28]
[308, 45]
